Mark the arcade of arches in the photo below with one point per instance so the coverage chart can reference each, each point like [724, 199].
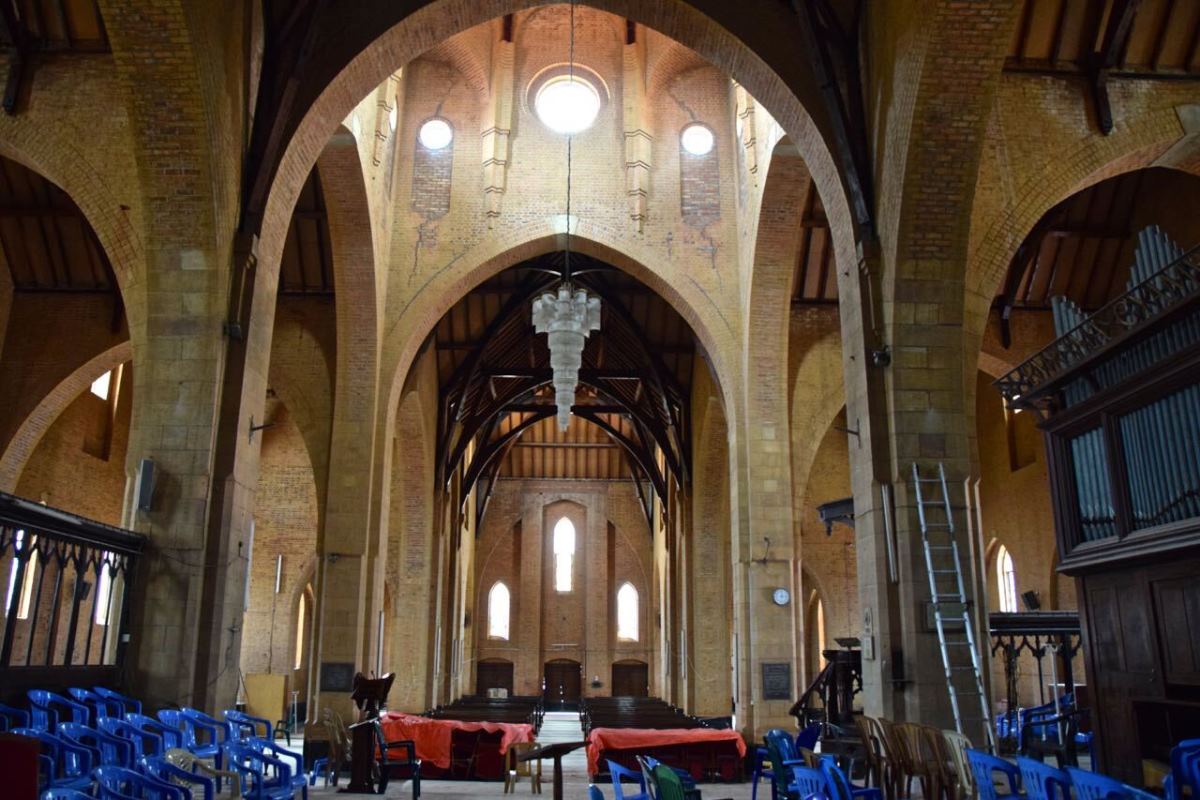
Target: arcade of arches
[287, 253]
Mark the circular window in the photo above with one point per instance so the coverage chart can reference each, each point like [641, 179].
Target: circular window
[697, 139]
[567, 104]
[436, 134]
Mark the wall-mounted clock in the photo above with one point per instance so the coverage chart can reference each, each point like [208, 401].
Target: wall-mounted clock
[781, 597]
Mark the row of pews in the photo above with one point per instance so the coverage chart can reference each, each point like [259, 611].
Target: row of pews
[621, 728]
[516, 709]
[633, 712]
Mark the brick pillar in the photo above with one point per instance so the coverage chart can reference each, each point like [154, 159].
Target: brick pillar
[349, 591]
[708, 570]
[528, 629]
[186, 630]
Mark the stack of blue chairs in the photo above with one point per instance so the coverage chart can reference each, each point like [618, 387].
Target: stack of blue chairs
[1043, 782]
[97, 743]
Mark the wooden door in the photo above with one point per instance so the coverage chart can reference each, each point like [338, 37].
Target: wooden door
[563, 680]
[630, 679]
[493, 674]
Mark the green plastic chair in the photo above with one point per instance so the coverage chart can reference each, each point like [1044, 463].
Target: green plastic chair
[669, 785]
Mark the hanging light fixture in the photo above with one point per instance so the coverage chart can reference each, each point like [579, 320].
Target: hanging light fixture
[568, 314]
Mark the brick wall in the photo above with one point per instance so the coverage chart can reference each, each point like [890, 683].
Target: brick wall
[612, 546]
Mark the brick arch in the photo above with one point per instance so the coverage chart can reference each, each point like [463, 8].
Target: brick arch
[810, 423]
[356, 61]
[302, 377]
[59, 159]
[1138, 144]
[35, 425]
[361, 53]
[412, 323]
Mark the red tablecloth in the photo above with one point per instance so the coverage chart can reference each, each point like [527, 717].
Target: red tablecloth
[601, 739]
[432, 736]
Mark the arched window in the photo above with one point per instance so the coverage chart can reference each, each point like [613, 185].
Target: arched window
[301, 629]
[104, 587]
[1006, 579]
[26, 594]
[627, 613]
[564, 554]
[498, 610]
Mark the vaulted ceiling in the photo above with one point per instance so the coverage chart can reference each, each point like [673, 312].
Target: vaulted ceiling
[497, 416]
[45, 241]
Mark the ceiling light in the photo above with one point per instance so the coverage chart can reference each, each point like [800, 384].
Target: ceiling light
[697, 139]
[567, 105]
[436, 134]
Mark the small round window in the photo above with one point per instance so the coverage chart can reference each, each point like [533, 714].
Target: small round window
[567, 104]
[697, 139]
[436, 134]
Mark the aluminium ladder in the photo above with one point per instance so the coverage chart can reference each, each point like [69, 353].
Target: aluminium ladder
[964, 679]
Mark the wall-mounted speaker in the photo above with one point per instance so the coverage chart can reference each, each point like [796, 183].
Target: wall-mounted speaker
[145, 485]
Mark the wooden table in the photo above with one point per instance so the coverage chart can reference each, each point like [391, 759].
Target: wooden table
[556, 752]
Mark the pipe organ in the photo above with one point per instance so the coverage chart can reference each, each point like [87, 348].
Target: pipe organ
[1118, 393]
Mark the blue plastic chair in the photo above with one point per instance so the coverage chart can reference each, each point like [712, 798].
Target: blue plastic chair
[781, 748]
[1093, 786]
[808, 737]
[298, 777]
[169, 736]
[203, 736]
[618, 773]
[96, 705]
[110, 751]
[840, 787]
[11, 717]
[119, 783]
[64, 794]
[47, 709]
[126, 704]
[1182, 757]
[1042, 781]
[242, 726]
[761, 759]
[263, 777]
[594, 792]
[144, 743]
[68, 765]
[807, 781]
[167, 772]
[985, 766]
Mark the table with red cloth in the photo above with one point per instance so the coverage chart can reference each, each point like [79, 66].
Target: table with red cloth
[706, 753]
[436, 740]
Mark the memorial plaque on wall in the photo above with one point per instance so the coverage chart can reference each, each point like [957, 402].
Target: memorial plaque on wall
[777, 680]
[337, 676]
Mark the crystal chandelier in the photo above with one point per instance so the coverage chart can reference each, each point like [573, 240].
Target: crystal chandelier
[568, 315]
[567, 318]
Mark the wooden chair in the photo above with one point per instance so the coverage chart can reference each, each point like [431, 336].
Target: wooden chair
[515, 769]
[339, 744]
[922, 760]
[903, 770]
[881, 771]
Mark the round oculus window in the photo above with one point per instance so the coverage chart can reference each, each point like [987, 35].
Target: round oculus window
[436, 134]
[697, 139]
[567, 105]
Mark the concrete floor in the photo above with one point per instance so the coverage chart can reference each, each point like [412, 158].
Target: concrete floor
[557, 727]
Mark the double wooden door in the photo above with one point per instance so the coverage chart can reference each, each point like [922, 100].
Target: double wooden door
[630, 679]
[562, 684]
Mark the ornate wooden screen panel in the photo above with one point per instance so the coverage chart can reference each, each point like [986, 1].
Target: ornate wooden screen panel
[65, 581]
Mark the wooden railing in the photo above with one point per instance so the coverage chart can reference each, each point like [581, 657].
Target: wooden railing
[64, 581]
